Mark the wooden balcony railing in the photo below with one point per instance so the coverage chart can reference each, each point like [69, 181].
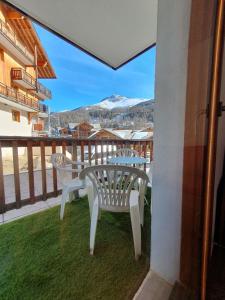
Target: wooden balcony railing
[43, 108]
[42, 89]
[11, 36]
[38, 127]
[21, 74]
[14, 95]
[37, 180]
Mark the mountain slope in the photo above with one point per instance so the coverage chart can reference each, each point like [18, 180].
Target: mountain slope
[114, 111]
[117, 101]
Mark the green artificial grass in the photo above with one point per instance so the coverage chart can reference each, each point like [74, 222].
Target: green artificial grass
[42, 257]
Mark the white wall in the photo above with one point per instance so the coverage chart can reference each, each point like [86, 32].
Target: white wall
[10, 127]
[170, 90]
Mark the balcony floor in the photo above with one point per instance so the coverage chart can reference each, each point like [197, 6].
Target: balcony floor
[45, 258]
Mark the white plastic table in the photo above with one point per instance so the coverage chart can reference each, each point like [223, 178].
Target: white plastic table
[126, 160]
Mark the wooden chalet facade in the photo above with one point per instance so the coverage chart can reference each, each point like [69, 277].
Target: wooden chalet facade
[105, 134]
[82, 130]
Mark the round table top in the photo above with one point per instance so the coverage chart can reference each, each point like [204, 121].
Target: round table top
[126, 160]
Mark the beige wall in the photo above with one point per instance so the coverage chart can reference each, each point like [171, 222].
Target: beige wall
[10, 127]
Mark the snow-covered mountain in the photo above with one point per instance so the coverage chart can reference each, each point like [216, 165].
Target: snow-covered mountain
[117, 101]
[111, 112]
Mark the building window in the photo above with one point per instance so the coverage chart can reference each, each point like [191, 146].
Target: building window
[15, 115]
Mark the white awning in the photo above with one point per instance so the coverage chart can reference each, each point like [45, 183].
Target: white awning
[113, 31]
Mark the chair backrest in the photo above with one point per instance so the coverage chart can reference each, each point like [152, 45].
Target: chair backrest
[62, 165]
[113, 184]
[126, 152]
[149, 173]
[59, 160]
[66, 168]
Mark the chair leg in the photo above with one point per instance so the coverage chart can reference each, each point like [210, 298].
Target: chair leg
[63, 203]
[142, 202]
[94, 221]
[136, 229]
[142, 206]
[90, 194]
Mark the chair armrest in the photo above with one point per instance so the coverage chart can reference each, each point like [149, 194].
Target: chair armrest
[69, 170]
[79, 163]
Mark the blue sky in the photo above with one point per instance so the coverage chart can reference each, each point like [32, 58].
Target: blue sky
[82, 80]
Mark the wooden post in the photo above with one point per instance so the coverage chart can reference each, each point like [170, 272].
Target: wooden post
[2, 188]
[30, 170]
[54, 173]
[43, 170]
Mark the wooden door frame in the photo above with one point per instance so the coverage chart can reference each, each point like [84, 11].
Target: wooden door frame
[212, 142]
[203, 86]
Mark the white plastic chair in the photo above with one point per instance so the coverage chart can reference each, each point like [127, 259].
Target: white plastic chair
[149, 173]
[65, 170]
[114, 191]
[126, 152]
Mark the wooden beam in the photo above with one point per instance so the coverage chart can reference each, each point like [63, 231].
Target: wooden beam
[42, 63]
[14, 15]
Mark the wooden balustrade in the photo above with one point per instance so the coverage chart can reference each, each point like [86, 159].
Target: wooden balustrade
[12, 37]
[38, 127]
[39, 149]
[21, 98]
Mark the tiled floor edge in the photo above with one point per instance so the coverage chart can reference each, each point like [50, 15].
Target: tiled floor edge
[28, 210]
[147, 292]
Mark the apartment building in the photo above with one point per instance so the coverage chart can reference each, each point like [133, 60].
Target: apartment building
[23, 61]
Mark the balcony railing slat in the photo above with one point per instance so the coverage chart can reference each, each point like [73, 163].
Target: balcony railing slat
[89, 152]
[107, 151]
[74, 157]
[43, 170]
[30, 170]
[96, 152]
[64, 147]
[82, 152]
[16, 174]
[54, 173]
[102, 158]
[2, 187]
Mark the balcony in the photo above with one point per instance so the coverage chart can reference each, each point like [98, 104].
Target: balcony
[19, 100]
[43, 111]
[25, 80]
[10, 42]
[58, 250]
[29, 190]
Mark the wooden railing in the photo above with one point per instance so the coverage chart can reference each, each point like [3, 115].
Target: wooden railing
[12, 37]
[41, 179]
[21, 74]
[38, 127]
[21, 98]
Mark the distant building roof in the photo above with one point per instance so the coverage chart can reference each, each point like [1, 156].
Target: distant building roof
[141, 135]
[96, 126]
[72, 125]
[124, 134]
[110, 131]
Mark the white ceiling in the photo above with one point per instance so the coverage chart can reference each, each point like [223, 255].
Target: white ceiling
[113, 31]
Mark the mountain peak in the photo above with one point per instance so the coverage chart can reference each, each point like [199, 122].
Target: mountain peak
[118, 101]
[113, 98]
